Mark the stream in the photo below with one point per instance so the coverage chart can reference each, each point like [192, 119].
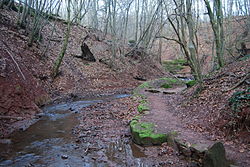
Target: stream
[50, 141]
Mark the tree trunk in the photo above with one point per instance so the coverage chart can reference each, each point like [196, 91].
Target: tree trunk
[191, 46]
[216, 20]
[65, 45]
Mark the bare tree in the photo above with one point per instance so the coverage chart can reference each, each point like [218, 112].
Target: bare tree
[184, 28]
[216, 20]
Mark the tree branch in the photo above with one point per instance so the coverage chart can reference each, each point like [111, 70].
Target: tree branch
[170, 39]
[8, 50]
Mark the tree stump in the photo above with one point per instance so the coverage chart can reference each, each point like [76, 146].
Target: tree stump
[86, 53]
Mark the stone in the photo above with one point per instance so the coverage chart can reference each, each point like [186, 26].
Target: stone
[143, 134]
[194, 164]
[168, 92]
[198, 151]
[142, 107]
[153, 90]
[183, 148]
[64, 157]
[215, 156]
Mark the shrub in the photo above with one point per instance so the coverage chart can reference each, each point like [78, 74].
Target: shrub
[240, 100]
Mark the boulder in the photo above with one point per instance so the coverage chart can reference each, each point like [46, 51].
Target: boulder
[143, 134]
[215, 156]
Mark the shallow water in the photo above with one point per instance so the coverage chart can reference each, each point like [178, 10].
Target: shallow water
[50, 141]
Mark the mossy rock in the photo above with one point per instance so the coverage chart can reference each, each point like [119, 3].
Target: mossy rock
[169, 82]
[143, 134]
[174, 66]
[136, 118]
[191, 83]
[145, 85]
[143, 101]
[166, 86]
[215, 156]
[142, 107]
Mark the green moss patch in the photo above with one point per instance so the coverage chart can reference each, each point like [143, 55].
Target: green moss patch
[145, 85]
[143, 101]
[174, 66]
[166, 86]
[170, 82]
[191, 83]
[142, 107]
[143, 134]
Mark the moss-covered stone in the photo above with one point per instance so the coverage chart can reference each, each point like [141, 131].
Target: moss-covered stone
[143, 101]
[191, 83]
[174, 66]
[145, 85]
[170, 82]
[142, 107]
[166, 86]
[143, 134]
[137, 118]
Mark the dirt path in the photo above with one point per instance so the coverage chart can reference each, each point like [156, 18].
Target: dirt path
[165, 113]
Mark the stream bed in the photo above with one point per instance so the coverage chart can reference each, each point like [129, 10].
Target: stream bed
[51, 142]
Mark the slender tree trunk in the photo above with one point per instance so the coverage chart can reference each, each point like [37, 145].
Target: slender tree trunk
[191, 44]
[216, 20]
[65, 44]
[137, 20]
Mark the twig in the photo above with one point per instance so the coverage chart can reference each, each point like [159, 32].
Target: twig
[8, 50]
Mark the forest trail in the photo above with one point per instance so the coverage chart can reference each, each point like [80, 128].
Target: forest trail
[165, 110]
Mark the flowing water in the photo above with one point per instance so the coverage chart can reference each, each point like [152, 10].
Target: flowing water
[50, 141]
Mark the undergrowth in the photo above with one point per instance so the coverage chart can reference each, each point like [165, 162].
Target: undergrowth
[240, 113]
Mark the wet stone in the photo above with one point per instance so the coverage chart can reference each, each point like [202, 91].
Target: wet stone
[5, 141]
[64, 157]
[194, 164]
